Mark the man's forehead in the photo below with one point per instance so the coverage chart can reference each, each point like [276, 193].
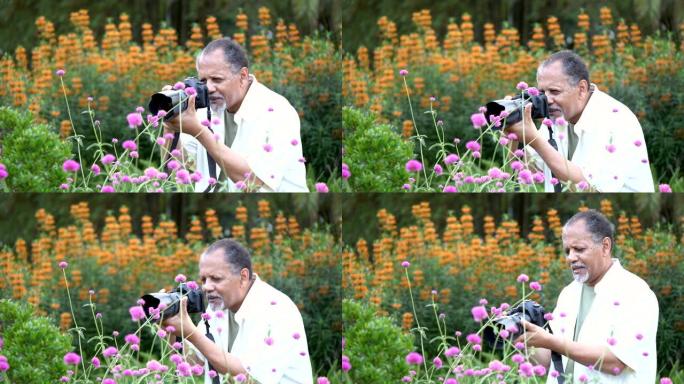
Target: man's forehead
[575, 230]
[552, 74]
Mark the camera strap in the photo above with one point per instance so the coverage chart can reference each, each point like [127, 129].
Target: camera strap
[210, 160]
[557, 360]
[215, 379]
[557, 187]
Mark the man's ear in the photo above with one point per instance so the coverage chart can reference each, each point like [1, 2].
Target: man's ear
[607, 246]
[244, 74]
[583, 87]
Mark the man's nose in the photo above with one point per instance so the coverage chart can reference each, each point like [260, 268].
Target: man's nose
[571, 257]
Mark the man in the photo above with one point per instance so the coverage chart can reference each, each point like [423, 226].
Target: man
[257, 330]
[605, 321]
[601, 147]
[256, 143]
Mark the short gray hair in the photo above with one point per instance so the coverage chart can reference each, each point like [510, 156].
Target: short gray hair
[233, 53]
[573, 66]
[596, 223]
[234, 254]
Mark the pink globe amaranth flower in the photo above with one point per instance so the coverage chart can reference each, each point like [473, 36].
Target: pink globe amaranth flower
[183, 176]
[294, 142]
[109, 352]
[538, 177]
[346, 173]
[583, 378]
[108, 381]
[414, 358]
[503, 141]
[405, 264]
[665, 380]
[63, 264]
[522, 86]
[179, 85]
[548, 316]
[134, 154]
[478, 119]
[610, 148]
[268, 341]
[406, 187]
[96, 362]
[60, 72]
[137, 313]
[637, 143]
[437, 362]
[582, 185]
[173, 165]
[532, 91]
[205, 122]
[539, 370]
[322, 188]
[611, 341]
[403, 72]
[473, 338]
[72, 358]
[197, 370]
[108, 159]
[518, 358]
[129, 145]
[414, 166]
[479, 313]
[437, 169]
[134, 119]
[240, 185]
[664, 188]
[452, 351]
[473, 145]
[107, 189]
[561, 121]
[517, 165]
[3, 172]
[547, 122]
[268, 147]
[161, 141]
[504, 334]
[346, 365]
[190, 91]
[71, 166]
[180, 278]
[535, 286]
[554, 181]
[449, 189]
[322, 380]
[451, 159]
[523, 278]
[95, 169]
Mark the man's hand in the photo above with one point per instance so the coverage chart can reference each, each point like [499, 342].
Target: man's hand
[534, 336]
[524, 129]
[181, 319]
[190, 124]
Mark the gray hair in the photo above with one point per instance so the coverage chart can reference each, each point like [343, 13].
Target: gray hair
[596, 223]
[234, 254]
[573, 66]
[233, 53]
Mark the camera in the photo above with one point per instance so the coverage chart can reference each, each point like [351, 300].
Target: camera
[170, 302]
[515, 108]
[512, 322]
[169, 101]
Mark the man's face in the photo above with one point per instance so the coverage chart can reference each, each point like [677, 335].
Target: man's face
[588, 260]
[564, 99]
[222, 288]
[226, 88]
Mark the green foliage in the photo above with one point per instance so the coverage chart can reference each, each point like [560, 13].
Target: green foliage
[33, 345]
[32, 153]
[374, 344]
[372, 152]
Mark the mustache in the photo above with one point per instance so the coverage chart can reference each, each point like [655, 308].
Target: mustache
[577, 265]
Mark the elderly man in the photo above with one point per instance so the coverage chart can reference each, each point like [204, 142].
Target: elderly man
[257, 330]
[605, 321]
[254, 135]
[597, 145]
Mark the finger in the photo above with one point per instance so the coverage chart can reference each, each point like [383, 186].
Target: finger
[166, 88]
[191, 102]
[528, 110]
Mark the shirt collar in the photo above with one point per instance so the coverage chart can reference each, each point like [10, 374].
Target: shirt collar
[253, 295]
[609, 278]
[246, 110]
[585, 122]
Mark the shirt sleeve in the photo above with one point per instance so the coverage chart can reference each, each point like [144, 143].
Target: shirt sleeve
[635, 339]
[279, 155]
[282, 347]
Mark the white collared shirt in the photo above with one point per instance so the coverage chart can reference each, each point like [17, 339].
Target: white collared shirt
[625, 310]
[265, 313]
[605, 124]
[265, 120]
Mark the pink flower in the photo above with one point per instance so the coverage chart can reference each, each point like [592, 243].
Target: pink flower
[322, 380]
[240, 185]
[110, 351]
[95, 169]
[547, 122]
[478, 119]
[452, 351]
[240, 377]
[449, 189]
[60, 72]
[134, 119]
[108, 159]
[611, 341]
[268, 341]
[479, 313]
[523, 278]
[437, 362]
[518, 358]
[107, 189]
[638, 143]
[451, 158]
[437, 169]
[405, 264]
[96, 362]
[71, 166]
[665, 188]
[346, 173]
[179, 85]
[610, 148]
[532, 91]
[403, 72]
[346, 365]
[535, 286]
[294, 142]
[639, 336]
[561, 121]
[473, 145]
[522, 86]
[190, 91]
[63, 264]
[665, 380]
[132, 339]
[137, 313]
[414, 358]
[321, 188]
[130, 145]
[582, 185]
[72, 358]
[173, 165]
[413, 166]
[268, 147]
[180, 278]
[473, 338]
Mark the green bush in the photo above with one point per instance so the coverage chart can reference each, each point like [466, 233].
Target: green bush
[33, 345]
[372, 152]
[374, 344]
[32, 153]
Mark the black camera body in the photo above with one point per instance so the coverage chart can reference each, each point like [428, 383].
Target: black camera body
[516, 107]
[171, 301]
[169, 101]
[533, 313]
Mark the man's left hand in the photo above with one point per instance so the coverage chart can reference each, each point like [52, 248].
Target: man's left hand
[534, 336]
[190, 124]
[181, 318]
[526, 125]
